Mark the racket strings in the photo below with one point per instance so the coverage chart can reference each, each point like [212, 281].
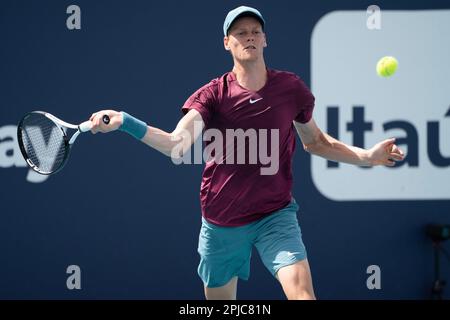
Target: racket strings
[44, 143]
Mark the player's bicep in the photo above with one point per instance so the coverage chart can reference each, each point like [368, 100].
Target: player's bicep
[189, 127]
[308, 132]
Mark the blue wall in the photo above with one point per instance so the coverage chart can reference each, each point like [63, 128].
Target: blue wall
[126, 214]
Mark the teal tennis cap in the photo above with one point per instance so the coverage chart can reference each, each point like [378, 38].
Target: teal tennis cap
[241, 11]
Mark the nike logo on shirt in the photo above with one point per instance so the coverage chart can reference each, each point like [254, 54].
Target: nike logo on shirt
[254, 101]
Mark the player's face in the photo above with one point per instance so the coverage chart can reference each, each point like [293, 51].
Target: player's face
[246, 39]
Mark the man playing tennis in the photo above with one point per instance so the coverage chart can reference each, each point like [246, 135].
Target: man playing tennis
[241, 207]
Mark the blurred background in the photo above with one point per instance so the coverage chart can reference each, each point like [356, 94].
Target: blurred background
[129, 218]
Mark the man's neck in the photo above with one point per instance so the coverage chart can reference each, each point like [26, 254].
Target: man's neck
[252, 76]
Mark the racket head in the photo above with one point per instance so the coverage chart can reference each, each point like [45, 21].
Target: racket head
[43, 143]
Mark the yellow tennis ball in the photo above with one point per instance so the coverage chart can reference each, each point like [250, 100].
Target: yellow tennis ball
[387, 66]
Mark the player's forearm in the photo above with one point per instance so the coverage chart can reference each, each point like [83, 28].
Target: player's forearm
[327, 147]
[164, 142]
[174, 144]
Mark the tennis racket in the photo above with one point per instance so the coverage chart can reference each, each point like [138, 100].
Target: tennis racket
[44, 142]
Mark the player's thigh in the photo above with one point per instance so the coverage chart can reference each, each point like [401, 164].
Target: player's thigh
[279, 239]
[224, 254]
[296, 280]
[226, 292]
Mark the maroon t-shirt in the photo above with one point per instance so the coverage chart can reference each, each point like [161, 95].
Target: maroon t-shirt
[237, 194]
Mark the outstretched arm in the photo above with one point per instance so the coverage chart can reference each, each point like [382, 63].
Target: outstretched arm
[180, 140]
[319, 143]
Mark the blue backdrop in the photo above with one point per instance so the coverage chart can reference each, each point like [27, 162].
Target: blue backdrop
[124, 213]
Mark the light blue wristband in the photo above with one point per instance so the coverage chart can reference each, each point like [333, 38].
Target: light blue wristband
[133, 126]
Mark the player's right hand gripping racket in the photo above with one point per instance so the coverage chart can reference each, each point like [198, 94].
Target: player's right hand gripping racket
[44, 142]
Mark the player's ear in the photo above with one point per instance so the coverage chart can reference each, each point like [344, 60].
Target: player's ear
[225, 43]
[265, 41]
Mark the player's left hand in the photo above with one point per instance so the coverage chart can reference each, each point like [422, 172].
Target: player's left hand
[385, 153]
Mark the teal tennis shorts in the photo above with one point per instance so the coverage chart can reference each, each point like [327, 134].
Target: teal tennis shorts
[225, 251]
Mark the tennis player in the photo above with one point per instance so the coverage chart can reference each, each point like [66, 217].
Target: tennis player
[241, 207]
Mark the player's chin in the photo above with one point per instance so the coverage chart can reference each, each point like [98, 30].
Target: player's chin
[249, 57]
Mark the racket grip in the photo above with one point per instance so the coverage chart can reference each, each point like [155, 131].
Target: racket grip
[85, 126]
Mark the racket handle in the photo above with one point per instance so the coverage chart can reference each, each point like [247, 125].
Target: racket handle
[85, 126]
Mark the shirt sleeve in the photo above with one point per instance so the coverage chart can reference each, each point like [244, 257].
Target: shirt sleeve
[304, 102]
[204, 101]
